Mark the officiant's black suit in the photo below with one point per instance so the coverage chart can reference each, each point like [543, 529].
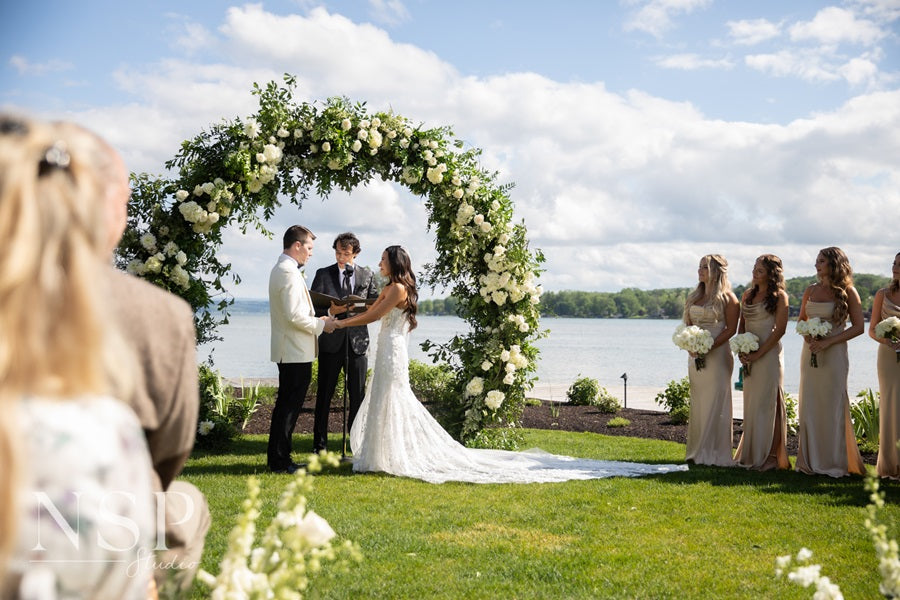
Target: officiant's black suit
[331, 350]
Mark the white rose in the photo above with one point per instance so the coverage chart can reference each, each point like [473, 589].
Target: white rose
[153, 265]
[504, 356]
[407, 131]
[334, 164]
[391, 134]
[375, 139]
[486, 227]
[180, 277]
[475, 387]
[298, 133]
[495, 205]
[435, 175]
[260, 157]
[376, 122]
[503, 238]
[148, 241]
[404, 143]
[181, 257]
[363, 134]
[457, 193]
[136, 267]
[252, 128]
[432, 144]
[494, 399]
[272, 153]
[479, 219]
[283, 133]
[364, 124]
[499, 297]
[180, 195]
[509, 378]
[211, 206]
[170, 248]
[254, 186]
[486, 365]
[346, 124]
[326, 147]
[356, 146]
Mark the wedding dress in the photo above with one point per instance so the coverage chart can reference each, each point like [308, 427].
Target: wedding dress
[394, 433]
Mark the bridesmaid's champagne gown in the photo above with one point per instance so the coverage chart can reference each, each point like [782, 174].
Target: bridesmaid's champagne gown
[762, 442]
[889, 411]
[709, 433]
[827, 444]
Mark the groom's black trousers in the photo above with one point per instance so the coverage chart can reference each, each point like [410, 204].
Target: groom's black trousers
[293, 382]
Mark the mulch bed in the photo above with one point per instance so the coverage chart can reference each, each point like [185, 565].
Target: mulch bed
[644, 423]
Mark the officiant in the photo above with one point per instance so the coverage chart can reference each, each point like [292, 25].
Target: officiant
[342, 279]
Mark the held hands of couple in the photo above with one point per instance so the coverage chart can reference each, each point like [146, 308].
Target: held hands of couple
[330, 324]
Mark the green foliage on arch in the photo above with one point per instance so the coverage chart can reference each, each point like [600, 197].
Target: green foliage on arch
[236, 173]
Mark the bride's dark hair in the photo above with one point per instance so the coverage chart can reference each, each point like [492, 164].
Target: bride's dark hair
[402, 273]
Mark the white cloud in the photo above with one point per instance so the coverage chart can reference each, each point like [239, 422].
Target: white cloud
[752, 31]
[833, 25]
[820, 65]
[389, 12]
[655, 16]
[26, 67]
[883, 11]
[636, 186]
[693, 62]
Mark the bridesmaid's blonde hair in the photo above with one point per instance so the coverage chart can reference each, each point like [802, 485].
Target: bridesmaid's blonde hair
[55, 340]
[719, 286]
[839, 280]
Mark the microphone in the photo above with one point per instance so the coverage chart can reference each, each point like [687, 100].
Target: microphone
[348, 270]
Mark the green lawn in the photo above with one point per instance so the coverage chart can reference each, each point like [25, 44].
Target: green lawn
[706, 533]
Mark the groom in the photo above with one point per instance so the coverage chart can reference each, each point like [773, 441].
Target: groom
[295, 331]
[342, 279]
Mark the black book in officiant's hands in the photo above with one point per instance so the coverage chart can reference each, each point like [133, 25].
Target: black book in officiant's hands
[353, 303]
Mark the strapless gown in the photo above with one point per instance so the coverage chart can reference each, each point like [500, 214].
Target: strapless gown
[827, 444]
[762, 444]
[889, 411]
[394, 433]
[709, 435]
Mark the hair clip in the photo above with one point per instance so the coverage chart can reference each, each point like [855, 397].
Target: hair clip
[55, 157]
[12, 126]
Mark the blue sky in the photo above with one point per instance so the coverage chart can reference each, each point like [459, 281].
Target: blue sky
[640, 134]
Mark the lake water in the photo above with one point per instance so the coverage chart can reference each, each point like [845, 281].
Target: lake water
[600, 348]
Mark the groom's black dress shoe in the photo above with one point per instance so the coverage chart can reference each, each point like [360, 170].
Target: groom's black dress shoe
[290, 469]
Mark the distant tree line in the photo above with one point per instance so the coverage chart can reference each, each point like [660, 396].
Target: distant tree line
[632, 303]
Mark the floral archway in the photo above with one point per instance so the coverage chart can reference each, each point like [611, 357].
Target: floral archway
[235, 172]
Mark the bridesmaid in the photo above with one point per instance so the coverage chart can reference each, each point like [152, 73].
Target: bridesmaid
[827, 444]
[887, 304]
[764, 312]
[714, 307]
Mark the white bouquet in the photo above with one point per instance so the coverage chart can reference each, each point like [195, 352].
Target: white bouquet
[744, 343]
[889, 329]
[694, 339]
[816, 328]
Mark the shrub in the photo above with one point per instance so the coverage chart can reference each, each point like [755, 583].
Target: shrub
[433, 385]
[676, 395]
[583, 391]
[606, 402]
[864, 415]
[791, 419]
[498, 438]
[681, 414]
[216, 426]
[618, 422]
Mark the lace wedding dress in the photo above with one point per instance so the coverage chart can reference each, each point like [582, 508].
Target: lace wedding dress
[394, 433]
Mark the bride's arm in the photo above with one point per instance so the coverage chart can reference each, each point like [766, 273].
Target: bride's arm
[392, 295]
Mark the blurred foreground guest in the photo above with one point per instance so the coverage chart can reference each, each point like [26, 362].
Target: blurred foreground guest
[158, 328]
[764, 313]
[711, 306]
[886, 307]
[827, 444]
[76, 509]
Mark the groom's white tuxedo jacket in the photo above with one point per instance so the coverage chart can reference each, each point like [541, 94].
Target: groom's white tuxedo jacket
[295, 328]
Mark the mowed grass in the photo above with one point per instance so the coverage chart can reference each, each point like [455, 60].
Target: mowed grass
[706, 533]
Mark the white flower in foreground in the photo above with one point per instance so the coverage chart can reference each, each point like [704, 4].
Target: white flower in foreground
[346, 124]
[475, 387]
[315, 529]
[494, 399]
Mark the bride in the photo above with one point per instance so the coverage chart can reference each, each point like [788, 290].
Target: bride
[394, 433]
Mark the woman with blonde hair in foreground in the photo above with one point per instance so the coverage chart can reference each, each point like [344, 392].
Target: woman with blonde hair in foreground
[76, 516]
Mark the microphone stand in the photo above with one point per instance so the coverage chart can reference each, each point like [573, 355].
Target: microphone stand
[346, 384]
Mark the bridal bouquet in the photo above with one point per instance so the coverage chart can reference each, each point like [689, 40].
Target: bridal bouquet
[694, 339]
[818, 329]
[744, 343]
[889, 329]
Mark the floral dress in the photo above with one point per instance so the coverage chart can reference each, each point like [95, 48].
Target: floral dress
[86, 528]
